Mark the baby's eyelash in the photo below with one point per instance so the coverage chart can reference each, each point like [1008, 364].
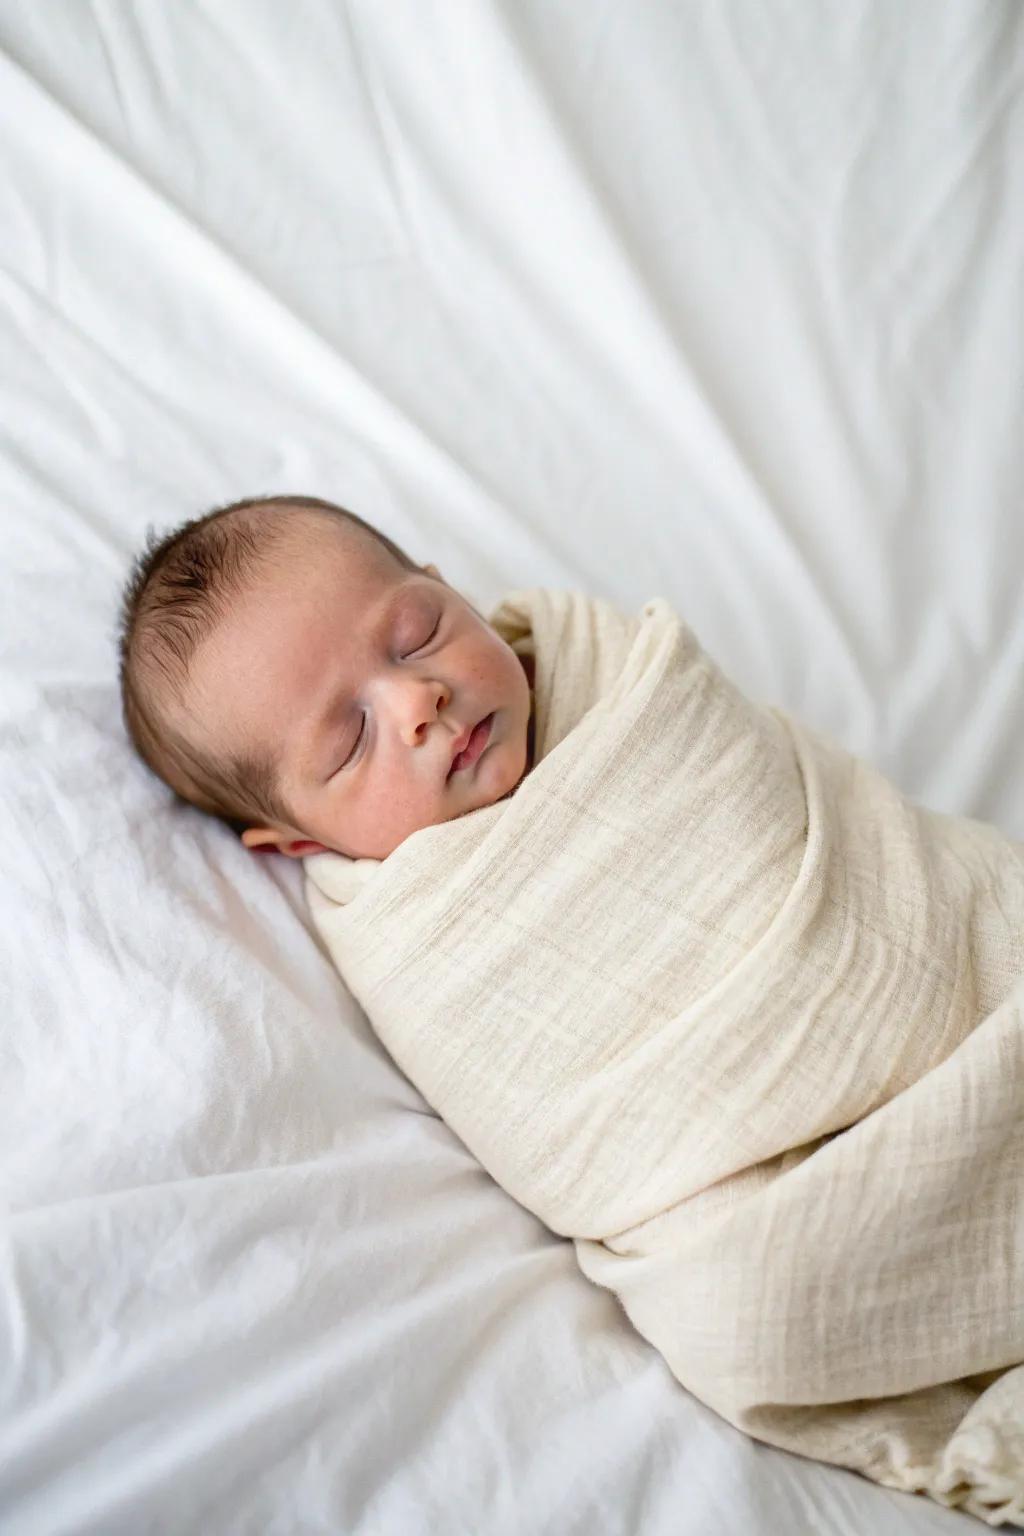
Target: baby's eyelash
[355, 744]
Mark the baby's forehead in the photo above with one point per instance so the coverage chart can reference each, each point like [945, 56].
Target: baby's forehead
[315, 588]
[324, 557]
[309, 533]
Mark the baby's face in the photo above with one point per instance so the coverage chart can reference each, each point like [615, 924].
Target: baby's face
[361, 676]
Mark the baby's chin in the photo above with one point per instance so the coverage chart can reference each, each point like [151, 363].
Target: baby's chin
[502, 789]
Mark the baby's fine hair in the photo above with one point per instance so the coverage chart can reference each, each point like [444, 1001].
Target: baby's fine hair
[178, 587]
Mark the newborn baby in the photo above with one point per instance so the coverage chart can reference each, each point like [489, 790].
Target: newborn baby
[700, 989]
[291, 670]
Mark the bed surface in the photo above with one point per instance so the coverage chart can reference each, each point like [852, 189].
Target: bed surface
[717, 303]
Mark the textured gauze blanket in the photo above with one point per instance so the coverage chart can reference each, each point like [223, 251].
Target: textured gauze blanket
[709, 996]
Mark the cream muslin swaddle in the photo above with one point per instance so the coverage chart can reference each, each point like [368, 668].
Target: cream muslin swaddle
[709, 996]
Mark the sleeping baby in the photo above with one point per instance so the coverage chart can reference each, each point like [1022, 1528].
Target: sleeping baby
[699, 988]
[291, 670]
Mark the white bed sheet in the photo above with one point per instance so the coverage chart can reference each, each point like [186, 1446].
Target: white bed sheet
[718, 302]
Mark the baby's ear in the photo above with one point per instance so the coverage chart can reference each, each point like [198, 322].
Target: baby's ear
[268, 840]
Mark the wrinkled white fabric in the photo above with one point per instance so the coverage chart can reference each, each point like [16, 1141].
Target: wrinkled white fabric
[715, 301]
[710, 996]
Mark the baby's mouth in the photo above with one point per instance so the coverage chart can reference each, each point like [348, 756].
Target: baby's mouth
[474, 747]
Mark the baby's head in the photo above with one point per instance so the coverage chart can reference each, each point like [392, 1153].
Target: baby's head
[288, 668]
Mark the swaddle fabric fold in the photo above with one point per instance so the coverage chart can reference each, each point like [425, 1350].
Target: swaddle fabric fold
[712, 998]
